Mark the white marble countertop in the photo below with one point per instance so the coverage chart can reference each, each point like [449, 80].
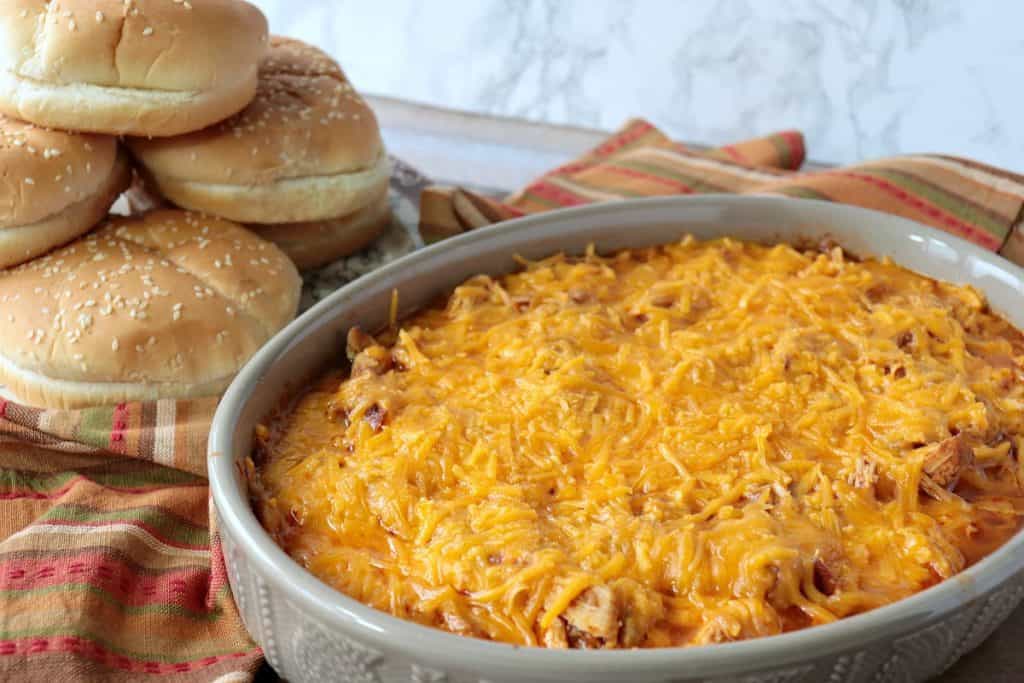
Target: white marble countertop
[861, 78]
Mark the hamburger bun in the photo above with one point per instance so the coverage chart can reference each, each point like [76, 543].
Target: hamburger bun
[54, 187]
[169, 304]
[140, 67]
[307, 148]
[316, 243]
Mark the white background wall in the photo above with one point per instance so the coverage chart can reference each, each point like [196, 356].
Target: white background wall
[862, 78]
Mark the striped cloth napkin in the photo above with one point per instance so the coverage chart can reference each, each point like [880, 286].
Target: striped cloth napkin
[980, 203]
[109, 566]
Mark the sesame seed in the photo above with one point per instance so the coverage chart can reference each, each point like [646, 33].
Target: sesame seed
[115, 344]
[148, 31]
[30, 181]
[72, 25]
[99, 20]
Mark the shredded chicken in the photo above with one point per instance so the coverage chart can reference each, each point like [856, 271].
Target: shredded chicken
[715, 630]
[375, 360]
[579, 295]
[865, 473]
[943, 465]
[592, 619]
[356, 342]
[555, 636]
[366, 355]
[456, 624]
[641, 610]
[825, 579]
[376, 416]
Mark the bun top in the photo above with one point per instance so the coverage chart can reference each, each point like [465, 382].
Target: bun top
[306, 120]
[166, 45]
[46, 171]
[169, 296]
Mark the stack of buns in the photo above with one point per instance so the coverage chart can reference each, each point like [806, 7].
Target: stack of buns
[223, 125]
[303, 165]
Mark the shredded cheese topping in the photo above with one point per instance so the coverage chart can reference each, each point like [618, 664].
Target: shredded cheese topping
[683, 445]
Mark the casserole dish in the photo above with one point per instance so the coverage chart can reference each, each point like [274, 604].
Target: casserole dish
[311, 632]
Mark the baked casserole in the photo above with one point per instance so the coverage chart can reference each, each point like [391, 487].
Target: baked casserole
[681, 445]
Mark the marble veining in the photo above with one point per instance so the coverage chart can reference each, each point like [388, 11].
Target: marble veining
[862, 78]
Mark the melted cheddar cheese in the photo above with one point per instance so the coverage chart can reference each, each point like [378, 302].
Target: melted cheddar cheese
[689, 444]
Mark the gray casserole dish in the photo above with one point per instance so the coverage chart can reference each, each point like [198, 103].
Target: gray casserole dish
[311, 632]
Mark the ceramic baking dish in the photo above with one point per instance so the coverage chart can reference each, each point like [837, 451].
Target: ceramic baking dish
[311, 632]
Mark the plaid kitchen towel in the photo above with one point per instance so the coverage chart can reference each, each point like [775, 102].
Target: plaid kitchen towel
[978, 202]
[109, 567]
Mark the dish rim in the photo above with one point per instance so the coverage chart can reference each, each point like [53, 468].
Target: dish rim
[389, 633]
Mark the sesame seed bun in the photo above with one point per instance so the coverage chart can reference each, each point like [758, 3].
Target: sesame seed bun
[140, 67]
[316, 243]
[308, 148]
[170, 304]
[54, 186]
